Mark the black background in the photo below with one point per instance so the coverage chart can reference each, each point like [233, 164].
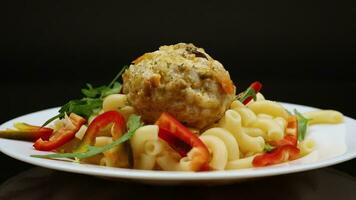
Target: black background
[303, 52]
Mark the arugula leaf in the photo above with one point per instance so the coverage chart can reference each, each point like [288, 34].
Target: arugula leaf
[268, 147]
[133, 123]
[102, 91]
[114, 89]
[90, 92]
[92, 102]
[302, 125]
[84, 107]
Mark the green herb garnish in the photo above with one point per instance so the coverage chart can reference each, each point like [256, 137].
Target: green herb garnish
[102, 91]
[250, 92]
[302, 125]
[133, 124]
[268, 147]
[289, 112]
[92, 102]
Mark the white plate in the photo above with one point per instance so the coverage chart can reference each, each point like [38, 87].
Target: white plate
[334, 144]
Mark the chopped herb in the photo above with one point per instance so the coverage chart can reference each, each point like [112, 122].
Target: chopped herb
[289, 112]
[133, 124]
[302, 125]
[268, 147]
[250, 93]
[102, 91]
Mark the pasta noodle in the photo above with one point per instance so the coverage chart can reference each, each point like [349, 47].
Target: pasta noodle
[324, 117]
[259, 97]
[306, 146]
[146, 162]
[262, 115]
[240, 163]
[232, 123]
[114, 102]
[153, 147]
[217, 148]
[269, 107]
[281, 122]
[247, 115]
[81, 132]
[126, 111]
[102, 141]
[254, 132]
[229, 140]
[138, 142]
[236, 104]
[169, 161]
[115, 157]
[271, 127]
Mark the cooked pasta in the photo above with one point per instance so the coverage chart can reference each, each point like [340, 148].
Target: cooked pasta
[306, 147]
[169, 161]
[281, 122]
[247, 115]
[269, 107]
[217, 148]
[255, 132]
[114, 102]
[247, 144]
[242, 163]
[233, 143]
[229, 140]
[271, 127]
[324, 117]
[138, 142]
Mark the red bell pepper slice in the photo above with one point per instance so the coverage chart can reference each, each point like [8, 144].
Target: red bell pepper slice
[179, 146]
[101, 121]
[250, 92]
[27, 132]
[276, 156]
[291, 137]
[182, 140]
[61, 136]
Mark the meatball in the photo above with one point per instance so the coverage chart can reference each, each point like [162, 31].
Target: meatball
[182, 80]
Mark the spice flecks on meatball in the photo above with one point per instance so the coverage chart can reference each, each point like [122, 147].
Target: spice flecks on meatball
[182, 80]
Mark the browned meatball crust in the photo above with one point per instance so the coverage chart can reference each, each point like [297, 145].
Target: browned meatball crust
[182, 80]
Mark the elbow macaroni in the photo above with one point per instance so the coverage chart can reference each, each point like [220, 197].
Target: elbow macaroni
[229, 140]
[247, 144]
[233, 142]
[273, 130]
[324, 117]
[145, 146]
[218, 151]
[269, 107]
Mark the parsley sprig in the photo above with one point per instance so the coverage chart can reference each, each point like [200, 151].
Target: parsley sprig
[92, 101]
[133, 123]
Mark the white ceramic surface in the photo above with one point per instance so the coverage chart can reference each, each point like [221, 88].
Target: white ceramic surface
[334, 144]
